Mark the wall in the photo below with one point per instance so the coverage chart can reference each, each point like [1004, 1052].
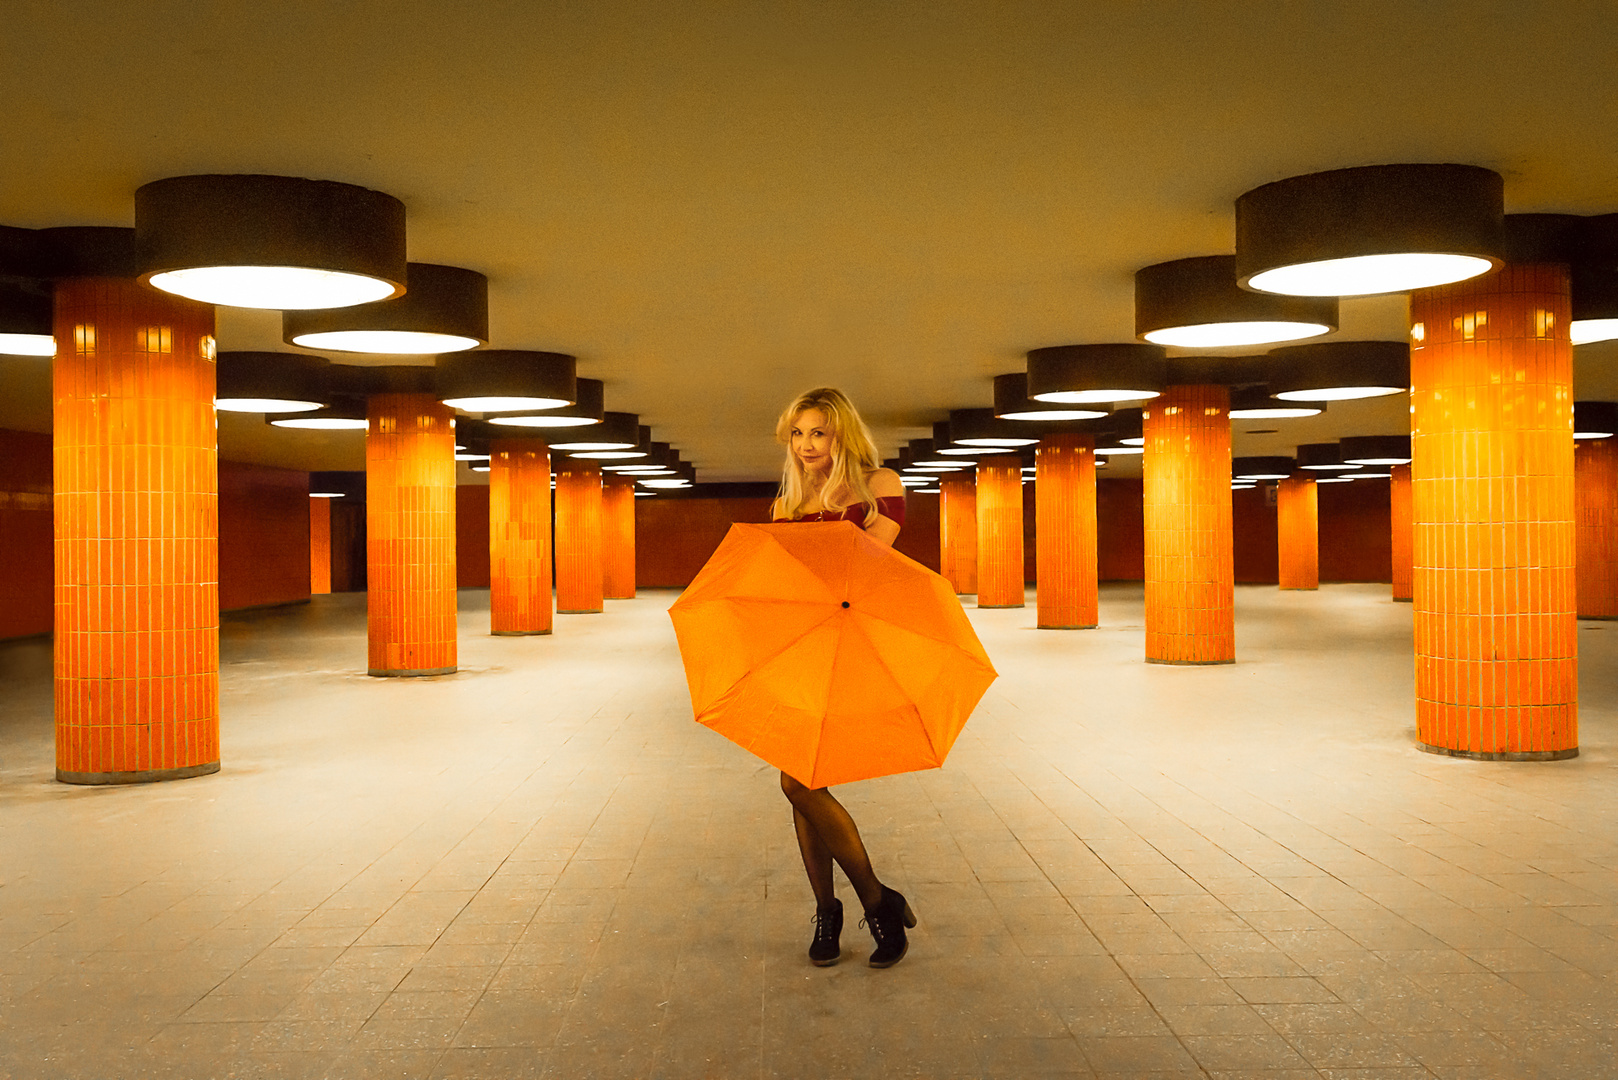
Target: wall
[472, 536]
[1120, 530]
[1254, 542]
[919, 538]
[263, 536]
[1356, 532]
[674, 537]
[26, 527]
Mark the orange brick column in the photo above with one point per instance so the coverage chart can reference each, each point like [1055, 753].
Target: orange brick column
[137, 535]
[618, 538]
[1297, 532]
[519, 537]
[958, 531]
[1065, 525]
[319, 546]
[1000, 552]
[1399, 513]
[578, 537]
[1190, 590]
[410, 535]
[1595, 474]
[1492, 476]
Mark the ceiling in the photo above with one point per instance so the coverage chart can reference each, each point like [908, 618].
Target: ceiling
[718, 205]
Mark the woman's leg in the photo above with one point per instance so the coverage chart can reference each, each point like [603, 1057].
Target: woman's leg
[830, 829]
[816, 860]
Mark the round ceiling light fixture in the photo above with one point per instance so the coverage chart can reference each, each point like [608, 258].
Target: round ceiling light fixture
[25, 322]
[278, 242]
[1011, 402]
[446, 310]
[1255, 403]
[589, 397]
[1595, 419]
[982, 428]
[1196, 304]
[506, 380]
[345, 413]
[269, 382]
[617, 431]
[1595, 281]
[1370, 230]
[1340, 370]
[945, 446]
[1261, 468]
[1321, 457]
[1096, 374]
[1375, 449]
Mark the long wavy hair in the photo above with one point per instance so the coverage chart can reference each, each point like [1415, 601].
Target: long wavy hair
[853, 456]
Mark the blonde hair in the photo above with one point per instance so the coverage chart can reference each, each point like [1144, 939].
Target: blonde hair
[853, 456]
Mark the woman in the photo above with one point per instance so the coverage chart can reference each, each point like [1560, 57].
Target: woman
[832, 473]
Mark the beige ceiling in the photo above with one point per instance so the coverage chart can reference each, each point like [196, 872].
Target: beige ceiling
[717, 205]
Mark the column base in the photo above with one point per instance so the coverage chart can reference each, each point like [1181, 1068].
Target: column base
[579, 611]
[405, 673]
[519, 633]
[1404, 599]
[1300, 588]
[1000, 606]
[1189, 663]
[139, 776]
[1523, 755]
[631, 596]
[1596, 618]
[1087, 626]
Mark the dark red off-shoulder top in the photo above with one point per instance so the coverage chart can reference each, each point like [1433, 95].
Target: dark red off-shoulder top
[892, 507]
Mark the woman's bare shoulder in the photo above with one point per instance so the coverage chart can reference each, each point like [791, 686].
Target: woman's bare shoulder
[885, 483]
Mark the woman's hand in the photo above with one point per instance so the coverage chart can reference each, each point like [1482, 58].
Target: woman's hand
[885, 484]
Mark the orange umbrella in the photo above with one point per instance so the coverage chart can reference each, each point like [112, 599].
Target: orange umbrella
[828, 655]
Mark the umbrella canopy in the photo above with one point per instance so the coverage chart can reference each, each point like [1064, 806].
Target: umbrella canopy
[830, 656]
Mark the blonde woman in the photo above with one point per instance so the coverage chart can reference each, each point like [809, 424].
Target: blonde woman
[832, 473]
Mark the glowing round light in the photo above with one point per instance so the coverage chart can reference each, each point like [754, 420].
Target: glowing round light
[1371, 476]
[1219, 335]
[472, 457]
[543, 421]
[1334, 479]
[321, 423]
[995, 442]
[1592, 434]
[1273, 412]
[1055, 414]
[1339, 393]
[504, 404]
[1370, 275]
[1136, 441]
[607, 455]
[1243, 487]
[645, 494]
[284, 288]
[1582, 331]
[1118, 451]
[969, 451]
[326, 494]
[662, 485]
[914, 481]
[391, 342]
[27, 345]
[264, 405]
[926, 491]
[1096, 397]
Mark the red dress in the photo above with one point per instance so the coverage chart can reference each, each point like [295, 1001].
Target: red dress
[892, 507]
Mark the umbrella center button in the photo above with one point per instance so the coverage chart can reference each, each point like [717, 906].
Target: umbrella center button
[845, 603]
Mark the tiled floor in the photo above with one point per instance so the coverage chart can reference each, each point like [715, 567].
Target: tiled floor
[541, 867]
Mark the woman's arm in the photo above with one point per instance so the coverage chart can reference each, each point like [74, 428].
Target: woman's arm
[885, 484]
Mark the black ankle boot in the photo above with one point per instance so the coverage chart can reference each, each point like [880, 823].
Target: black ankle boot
[827, 948]
[888, 921]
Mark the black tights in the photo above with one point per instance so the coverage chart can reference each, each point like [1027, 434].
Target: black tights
[827, 832]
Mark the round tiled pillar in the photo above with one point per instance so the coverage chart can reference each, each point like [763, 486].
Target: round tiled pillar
[1190, 573]
[410, 535]
[319, 546]
[1400, 521]
[1297, 532]
[1595, 475]
[519, 537]
[578, 537]
[1492, 478]
[1065, 532]
[618, 538]
[137, 535]
[958, 531]
[1000, 547]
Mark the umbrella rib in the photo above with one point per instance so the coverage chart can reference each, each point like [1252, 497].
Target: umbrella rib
[880, 659]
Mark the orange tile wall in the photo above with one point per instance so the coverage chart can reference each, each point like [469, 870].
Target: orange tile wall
[472, 526]
[1190, 598]
[26, 522]
[1065, 528]
[319, 546]
[1401, 531]
[578, 536]
[410, 535]
[618, 538]
[958, 531]
[519, 537]
[1493, 496]
[1595, 470]
[1000, 532]
[136, 535]
[1297, 524]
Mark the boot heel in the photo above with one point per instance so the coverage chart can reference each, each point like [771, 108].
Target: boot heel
[910, 917]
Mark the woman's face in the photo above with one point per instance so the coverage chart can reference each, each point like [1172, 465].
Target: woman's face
[812, 440]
